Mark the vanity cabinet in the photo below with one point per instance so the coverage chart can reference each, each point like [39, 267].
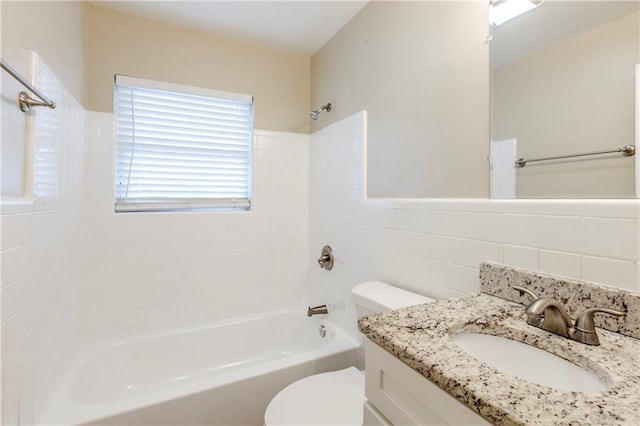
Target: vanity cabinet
[400, 395]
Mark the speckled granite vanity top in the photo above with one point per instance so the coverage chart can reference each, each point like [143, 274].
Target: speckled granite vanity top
[420, 337]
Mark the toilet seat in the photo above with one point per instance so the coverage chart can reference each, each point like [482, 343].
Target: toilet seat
[333, 398]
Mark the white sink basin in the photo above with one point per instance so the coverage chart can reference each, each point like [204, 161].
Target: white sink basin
[528, 363]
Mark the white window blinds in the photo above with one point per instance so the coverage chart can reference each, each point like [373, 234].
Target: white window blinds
[180, 147]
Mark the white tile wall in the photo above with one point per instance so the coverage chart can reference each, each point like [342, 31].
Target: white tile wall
[521, 229]
[618, 273]
[434, 246]
[147, 271]
[560, 263]
[39, 238]
[559, 233]
[521, 257]
[608, 237]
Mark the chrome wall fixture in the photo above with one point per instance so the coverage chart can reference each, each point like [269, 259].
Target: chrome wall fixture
[317, 310]
[627, 151]
[25, 101]
[326, 258]
[314, 114]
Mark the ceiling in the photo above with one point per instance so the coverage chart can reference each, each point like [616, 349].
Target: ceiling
[552, 22]
[302, 26]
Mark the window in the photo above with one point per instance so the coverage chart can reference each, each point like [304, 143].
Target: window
[181, 147]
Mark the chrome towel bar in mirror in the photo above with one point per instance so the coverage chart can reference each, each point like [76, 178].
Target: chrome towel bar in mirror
[627, 151]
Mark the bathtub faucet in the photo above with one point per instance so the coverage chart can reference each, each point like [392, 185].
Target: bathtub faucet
[316, 310]
[326, 258]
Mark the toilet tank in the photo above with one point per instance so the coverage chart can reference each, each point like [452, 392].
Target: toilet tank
[374, 297]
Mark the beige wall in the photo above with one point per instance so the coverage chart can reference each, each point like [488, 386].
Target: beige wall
[124, 44]
[574, 96]
[421, 71]
[53, 29]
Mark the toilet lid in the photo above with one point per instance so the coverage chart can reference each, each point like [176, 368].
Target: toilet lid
[333, 398]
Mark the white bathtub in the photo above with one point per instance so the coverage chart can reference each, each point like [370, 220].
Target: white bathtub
[222, 373]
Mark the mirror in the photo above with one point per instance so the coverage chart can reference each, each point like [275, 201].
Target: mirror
[563, 82]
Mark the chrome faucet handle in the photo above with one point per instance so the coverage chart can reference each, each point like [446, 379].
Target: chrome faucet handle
[584, 330]
[585, 322]
[325, 260]
[524, 291]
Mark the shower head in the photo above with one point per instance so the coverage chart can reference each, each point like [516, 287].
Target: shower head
[314, 114]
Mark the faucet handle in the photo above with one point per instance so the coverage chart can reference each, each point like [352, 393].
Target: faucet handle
[326, 258]
[585, 323]
[524, 291]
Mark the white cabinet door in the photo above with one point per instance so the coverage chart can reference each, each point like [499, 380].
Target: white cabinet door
[405, 397]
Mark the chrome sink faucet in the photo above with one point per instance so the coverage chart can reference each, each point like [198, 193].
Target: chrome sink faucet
[551, 316]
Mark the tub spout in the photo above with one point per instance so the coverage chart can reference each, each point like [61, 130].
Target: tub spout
[316, 310]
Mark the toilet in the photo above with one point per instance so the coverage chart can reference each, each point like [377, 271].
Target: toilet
[337, 397]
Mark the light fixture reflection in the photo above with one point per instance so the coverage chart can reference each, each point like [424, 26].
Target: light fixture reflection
[504, 10]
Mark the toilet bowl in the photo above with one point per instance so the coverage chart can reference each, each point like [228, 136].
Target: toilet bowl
[337, 397]
[333, 398]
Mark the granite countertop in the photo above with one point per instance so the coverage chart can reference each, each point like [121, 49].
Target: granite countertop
[420, 337]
